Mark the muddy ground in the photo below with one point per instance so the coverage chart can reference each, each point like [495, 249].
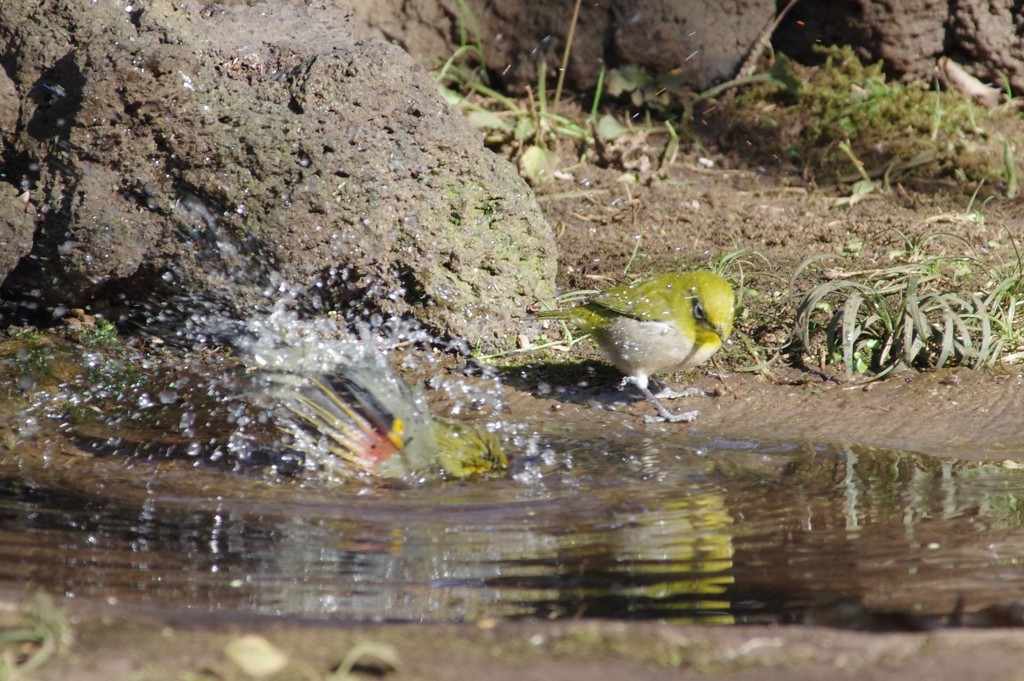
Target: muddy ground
[696, 214]
[139, 646]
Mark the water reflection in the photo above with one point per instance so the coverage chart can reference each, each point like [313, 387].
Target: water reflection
[885, 529]
[625, 527]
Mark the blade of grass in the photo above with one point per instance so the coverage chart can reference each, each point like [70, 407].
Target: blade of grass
[565, 54]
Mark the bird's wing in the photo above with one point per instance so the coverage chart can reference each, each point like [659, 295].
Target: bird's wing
[644, 300]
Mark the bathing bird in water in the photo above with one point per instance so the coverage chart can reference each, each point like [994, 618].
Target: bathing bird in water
[365, 420]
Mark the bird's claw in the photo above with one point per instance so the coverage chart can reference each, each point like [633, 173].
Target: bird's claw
[664, 415]
[669, 417]
[667, 393]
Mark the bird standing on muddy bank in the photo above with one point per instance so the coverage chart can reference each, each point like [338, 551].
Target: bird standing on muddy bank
[665, 323]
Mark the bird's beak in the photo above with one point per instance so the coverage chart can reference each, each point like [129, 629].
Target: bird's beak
[723, 331]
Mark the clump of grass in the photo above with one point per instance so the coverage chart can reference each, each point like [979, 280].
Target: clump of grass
[892, 128]
[531, 130]
[524, 130]
[29, 638]
[758, 316]
[913, 315]
[734, 265]
[644, 90]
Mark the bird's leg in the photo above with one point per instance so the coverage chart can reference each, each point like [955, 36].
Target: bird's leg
[667, 393]
[663, 413]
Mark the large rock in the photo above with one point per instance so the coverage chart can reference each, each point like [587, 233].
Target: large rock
[700, 42]
[212, 152]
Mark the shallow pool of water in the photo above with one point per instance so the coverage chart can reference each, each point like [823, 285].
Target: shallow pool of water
[627, 525]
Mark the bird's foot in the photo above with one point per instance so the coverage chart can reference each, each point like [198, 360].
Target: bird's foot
[670, 417]
[664, 415]
[668, 393]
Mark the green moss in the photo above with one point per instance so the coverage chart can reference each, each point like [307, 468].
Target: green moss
[56, 359]
[26, 353]
[102, 332]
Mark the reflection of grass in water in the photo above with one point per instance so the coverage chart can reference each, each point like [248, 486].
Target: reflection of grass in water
[879, 486]
[1006, 509]
[1001, 497]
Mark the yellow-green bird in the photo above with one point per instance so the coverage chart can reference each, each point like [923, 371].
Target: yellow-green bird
[665, 323]
[367, 421]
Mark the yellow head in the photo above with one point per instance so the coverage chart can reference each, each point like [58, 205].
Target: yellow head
[705, 302]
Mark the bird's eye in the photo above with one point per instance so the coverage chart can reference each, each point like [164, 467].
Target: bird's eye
[698, 311]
